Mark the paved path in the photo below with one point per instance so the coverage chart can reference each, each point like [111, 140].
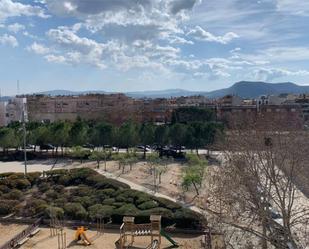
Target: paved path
[149, 191]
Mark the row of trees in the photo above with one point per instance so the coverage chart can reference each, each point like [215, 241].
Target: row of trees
[186, 132]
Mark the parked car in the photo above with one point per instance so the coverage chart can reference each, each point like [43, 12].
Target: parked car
[88, 146]
[47, 147]
[143, 148]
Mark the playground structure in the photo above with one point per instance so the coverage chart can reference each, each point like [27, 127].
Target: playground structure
[80, 234]
[129, 230]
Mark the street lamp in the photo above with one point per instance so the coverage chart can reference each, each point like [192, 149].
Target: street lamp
[24, 135]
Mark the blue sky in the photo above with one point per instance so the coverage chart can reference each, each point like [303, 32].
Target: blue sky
[129, 45]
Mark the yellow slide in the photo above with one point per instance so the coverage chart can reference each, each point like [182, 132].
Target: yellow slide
[81, 235]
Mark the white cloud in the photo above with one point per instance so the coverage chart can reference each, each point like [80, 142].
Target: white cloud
[268, 74]
[295, 7]
[55, 58]
[8, 40]
[16, 27]
[38, 48]
[202, 35]
[9, 8]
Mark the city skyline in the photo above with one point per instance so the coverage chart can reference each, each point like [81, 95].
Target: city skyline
[123, 46]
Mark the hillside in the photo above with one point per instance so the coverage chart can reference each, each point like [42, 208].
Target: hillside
[244, 89]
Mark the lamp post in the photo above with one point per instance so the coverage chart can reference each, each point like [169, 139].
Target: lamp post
[24, 136]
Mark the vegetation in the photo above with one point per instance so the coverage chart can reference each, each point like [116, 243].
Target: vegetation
[191, 127]
[83, 194]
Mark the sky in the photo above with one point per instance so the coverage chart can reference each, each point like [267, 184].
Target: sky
[135, 45]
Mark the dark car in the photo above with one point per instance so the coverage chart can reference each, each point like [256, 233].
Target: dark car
[47, 147]
[88, 146]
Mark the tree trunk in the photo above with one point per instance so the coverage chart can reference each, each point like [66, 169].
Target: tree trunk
[196, 189]
[144, 156]
[98, 166]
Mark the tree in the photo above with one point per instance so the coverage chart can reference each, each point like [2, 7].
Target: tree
[256, 189]
[8, 139]
[79, 133]
[60, 134]
[194, 173]
[146, 132]
[101, 134]
[161, 136]
[98, 156]
[178, 136]
[128, 135]
[80, 153]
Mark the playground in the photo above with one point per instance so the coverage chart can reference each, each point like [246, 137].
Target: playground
[106, 240]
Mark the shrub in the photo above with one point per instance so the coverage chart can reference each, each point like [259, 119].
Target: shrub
[75, 211]
[168, 204]
[44, 186]
[99, 211]
[34, 177]
[4, 189]
[59, 188]
[186, 218]
[109, 201]
[7, 206]
[13, 195]
[127, 209]
[51, 194]
[22, 184]
[148, 205]
[85, 201]
[35, 206]
[55, 212]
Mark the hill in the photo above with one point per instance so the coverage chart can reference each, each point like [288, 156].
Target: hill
[247, 89]
[244, 89]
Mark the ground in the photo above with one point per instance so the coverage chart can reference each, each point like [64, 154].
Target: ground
[8, 231]
[43, 240]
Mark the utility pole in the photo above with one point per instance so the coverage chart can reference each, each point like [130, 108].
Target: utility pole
[25, 136]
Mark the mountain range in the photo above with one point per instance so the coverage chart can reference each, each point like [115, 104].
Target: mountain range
[244, 89]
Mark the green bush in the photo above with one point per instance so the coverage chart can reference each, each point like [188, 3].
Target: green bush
[99, 211]
[44, 186]
[187, 218]
[127, 209]
[109, 201]
[4, 189]
[13, 195]
[51, 194]
[54, 212]
[148, 205]
[34, 177]
[35, 206]
[7, 206]
[22, 184]
[168, 204]
[75, 211]
[85, 201]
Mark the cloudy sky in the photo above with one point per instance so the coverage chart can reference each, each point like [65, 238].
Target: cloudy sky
[128, 45]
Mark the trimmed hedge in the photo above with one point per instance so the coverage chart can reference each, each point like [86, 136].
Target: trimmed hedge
[83, 194]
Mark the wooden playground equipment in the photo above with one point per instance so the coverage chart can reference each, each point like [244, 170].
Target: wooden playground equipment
[129, 230]
[80, 234]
